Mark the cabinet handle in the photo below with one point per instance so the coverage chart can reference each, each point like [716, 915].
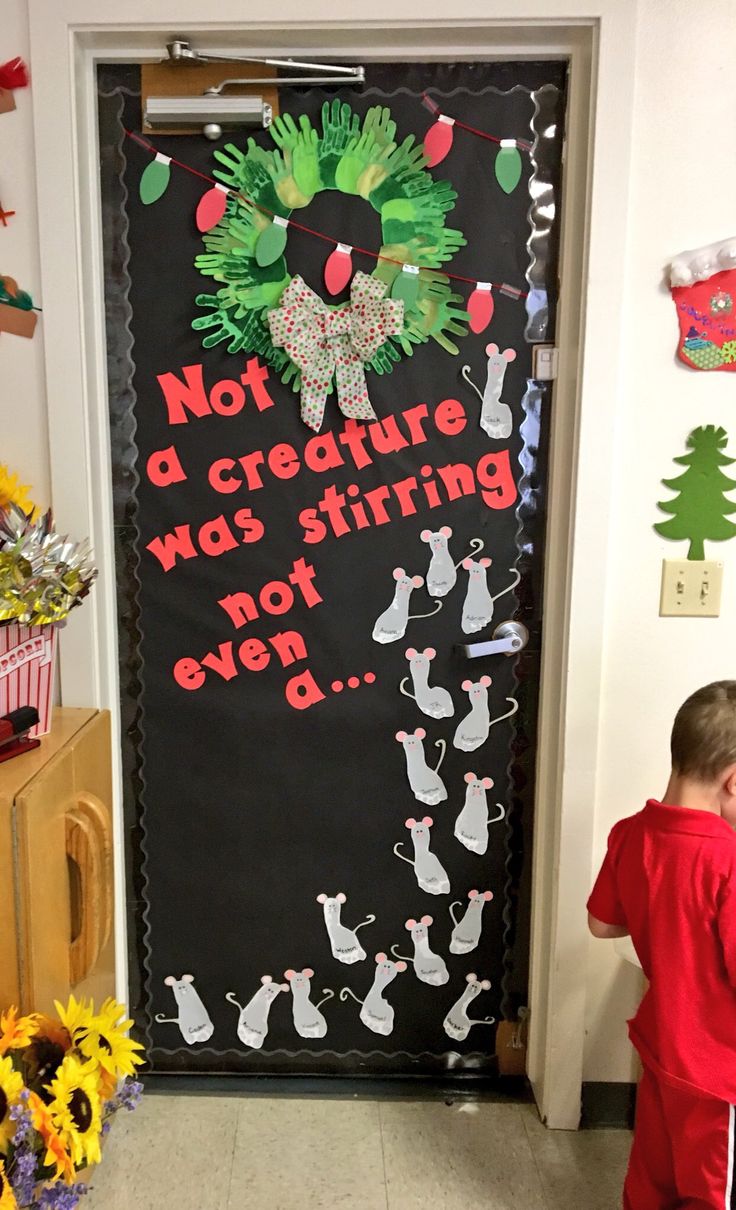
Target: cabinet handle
[89, 853]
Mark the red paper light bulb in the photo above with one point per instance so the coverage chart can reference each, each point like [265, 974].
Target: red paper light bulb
[438, 140]
[211, 208]
[480, 307]
[338, 268]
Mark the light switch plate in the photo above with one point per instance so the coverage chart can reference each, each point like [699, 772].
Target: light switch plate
[691, 588]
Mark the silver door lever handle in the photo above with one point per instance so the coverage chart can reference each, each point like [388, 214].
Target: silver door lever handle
[509, 638]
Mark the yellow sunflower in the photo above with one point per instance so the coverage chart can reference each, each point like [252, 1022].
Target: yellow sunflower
[75, 1110]
[7, 1197]
[11, 1086]
[16, 1032]
[12, 491]
[76, 1016]
[56, 1155]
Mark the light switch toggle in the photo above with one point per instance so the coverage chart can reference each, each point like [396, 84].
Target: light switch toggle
[691, 588]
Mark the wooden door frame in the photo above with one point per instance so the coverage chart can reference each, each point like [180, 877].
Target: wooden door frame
[68, 39]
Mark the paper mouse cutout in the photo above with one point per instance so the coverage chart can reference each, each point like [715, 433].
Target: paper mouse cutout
[473, 730]
[343, 941]
[442, 572]
[471, 825]
[467, 931]
[193, 1019]
[309, 1022]
[253, 1019]
[376, 1013]
[457, 1024]
[392, 623]
[431, 874]
[495, 417]
[478, 604]
[426, 783]
[428, 967]
[433, 701]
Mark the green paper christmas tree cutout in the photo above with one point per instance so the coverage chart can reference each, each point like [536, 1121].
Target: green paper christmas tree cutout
[700, 509]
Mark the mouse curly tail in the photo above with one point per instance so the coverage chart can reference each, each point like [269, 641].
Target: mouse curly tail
[230, 996]
[370, 919]
[162, 1020]
[476, 546]
[405, 692]
[426, 615]
[466, 375]
[401, 957]
[327, 994]
[347, 991]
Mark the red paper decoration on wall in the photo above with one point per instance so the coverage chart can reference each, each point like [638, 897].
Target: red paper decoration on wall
[212, 206]
[480, 307]
[438, 140]
[338, 268]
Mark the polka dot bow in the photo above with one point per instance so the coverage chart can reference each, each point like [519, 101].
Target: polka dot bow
[325, 342]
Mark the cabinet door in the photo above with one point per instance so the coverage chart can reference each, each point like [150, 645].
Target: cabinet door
[64, 874]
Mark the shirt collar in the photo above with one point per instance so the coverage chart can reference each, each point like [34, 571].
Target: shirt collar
[685, 819]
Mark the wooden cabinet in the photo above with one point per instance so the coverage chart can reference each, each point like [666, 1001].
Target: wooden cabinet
[56, 870]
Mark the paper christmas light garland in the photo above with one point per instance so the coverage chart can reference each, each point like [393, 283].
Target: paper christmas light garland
[439, 139]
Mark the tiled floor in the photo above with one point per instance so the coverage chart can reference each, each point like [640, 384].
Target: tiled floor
[207, 1153]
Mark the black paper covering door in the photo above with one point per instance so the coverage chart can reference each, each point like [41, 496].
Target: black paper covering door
[244, 812]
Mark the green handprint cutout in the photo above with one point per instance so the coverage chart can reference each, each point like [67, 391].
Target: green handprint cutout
[303, 146]
[359, 157]
[339, 127]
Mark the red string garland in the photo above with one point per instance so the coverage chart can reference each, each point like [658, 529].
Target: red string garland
[209, 205]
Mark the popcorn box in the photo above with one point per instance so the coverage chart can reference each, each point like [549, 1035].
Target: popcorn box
[27, 670]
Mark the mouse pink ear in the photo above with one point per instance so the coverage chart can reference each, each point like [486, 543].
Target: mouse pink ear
[469, 776]
[510, 354]
[417, 581]
[467, 563]
[419, 733]
[486, 681]
[430, 652]
[487, 783]
[399, 573]
[426, 920]
[471, 978]
[446, 531]
[169, 980]
[485, 562]
[322, 898]
[425, 535]
[187, 978]
[486, 985]
[266, 979]
[401, 736]
[410, 924]
[341, 897]
[289, 974]
[488, 896]
[428, 821]
[472, 894]
[410, 823]
[467, 686]
[401, 966]
[410, 653]
[283, 987]
[380, 958]
[491, 350]
[308, 972]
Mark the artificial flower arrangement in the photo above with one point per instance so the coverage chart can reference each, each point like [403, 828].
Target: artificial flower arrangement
[61, 1083]
[43, 576]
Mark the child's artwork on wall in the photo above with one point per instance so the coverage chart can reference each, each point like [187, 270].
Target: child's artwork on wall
[703, 284]
[306, 507]
[13, 75]
[700, 510]
[17, 312]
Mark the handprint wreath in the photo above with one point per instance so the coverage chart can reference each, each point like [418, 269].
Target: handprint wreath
[362, 159]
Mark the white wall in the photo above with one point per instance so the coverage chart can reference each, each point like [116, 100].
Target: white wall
[684, 181]
[23, 426]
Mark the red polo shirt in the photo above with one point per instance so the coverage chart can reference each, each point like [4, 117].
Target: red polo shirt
[669, 877]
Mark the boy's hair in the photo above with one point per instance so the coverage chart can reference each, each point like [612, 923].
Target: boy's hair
[703, 741]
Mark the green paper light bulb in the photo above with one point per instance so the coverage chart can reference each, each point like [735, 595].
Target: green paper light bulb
[508, 165]
[155, 179]
[406, 286]
[271, 242]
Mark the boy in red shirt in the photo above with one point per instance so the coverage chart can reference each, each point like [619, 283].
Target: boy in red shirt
[669, 880]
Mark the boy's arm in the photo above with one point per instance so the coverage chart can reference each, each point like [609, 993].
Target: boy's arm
[606, 932]
[727, 928]
[606, 916]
